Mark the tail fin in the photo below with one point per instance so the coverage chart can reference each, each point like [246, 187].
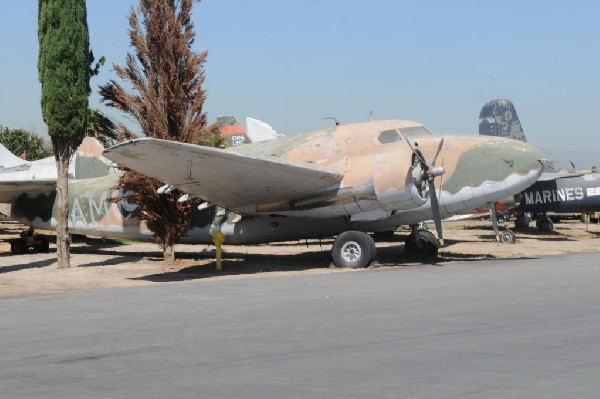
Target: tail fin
[89, 162]
[11, 162]
[232, 131]
[259, 130]
[499, 118]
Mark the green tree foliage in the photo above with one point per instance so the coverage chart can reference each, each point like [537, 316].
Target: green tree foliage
[20, 141]
[64, 71]
[166, 101]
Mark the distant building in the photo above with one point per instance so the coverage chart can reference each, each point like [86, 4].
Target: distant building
[499, 118]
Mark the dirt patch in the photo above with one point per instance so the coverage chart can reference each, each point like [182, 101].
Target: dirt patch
[98, 263]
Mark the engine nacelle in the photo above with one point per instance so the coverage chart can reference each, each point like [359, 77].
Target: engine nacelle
[395, 182]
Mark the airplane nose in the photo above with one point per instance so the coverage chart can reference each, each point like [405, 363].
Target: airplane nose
[511, 158]
[495, 168]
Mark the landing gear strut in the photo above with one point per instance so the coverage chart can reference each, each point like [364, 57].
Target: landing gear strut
[507, 236]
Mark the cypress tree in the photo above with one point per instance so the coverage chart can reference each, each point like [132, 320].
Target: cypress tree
[64, 71]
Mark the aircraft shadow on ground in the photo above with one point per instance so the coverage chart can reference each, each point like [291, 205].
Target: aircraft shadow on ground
[28, 265]
[245, 264]
[237, 263]
[112, 262]
[544, 237]
[534, 231]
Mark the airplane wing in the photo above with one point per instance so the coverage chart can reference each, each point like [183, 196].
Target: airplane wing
[226, 178]
[9, 190]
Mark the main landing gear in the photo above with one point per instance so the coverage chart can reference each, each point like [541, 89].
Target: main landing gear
[356, 249]
[29, 241]
[542, 221]
[353, 249]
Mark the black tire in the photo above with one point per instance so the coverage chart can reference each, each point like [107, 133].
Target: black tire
[18, 247]
[41, 243]
[522, 220]
[353, 249]
[425, 244]
[546, 225]
[508, 237]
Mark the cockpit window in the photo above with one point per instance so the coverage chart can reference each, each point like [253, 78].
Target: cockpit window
[416, 131]
[389, 136]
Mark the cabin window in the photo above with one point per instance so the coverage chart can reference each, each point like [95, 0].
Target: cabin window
[416, 131]
[389, 136]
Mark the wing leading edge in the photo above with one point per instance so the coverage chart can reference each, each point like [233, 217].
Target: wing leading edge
[229, 179]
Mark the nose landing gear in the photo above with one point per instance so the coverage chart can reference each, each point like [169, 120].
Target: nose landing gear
[421, 242]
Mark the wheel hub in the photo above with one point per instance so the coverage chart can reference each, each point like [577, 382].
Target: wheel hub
[351, 251]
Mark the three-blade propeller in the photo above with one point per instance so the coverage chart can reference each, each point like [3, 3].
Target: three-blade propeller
[429, 174]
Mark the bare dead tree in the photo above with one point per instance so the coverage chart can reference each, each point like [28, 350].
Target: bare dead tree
[166, 100]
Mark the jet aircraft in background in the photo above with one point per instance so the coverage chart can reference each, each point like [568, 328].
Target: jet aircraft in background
[343, 181]
[555, 191]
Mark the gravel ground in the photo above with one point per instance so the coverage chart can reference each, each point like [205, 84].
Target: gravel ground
[98, 264]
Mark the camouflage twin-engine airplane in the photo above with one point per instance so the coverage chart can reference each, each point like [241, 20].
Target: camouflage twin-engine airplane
[344, 181]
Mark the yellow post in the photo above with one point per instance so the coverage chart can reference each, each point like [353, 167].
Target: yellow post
[218, 239]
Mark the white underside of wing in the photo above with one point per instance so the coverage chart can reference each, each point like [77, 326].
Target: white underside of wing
[226, 178]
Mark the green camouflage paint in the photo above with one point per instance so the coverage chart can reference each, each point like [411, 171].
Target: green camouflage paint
[474, 168]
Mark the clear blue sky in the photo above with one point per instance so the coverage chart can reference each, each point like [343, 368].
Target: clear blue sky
[290, 63]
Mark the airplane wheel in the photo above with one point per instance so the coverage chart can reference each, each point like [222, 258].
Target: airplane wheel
[424, 244]
[353, 249]
[18, 247]
[522, 220]
[41, 243]
[508, 237]
[546, 225]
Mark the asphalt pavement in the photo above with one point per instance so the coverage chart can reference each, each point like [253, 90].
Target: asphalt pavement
[526, 328]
